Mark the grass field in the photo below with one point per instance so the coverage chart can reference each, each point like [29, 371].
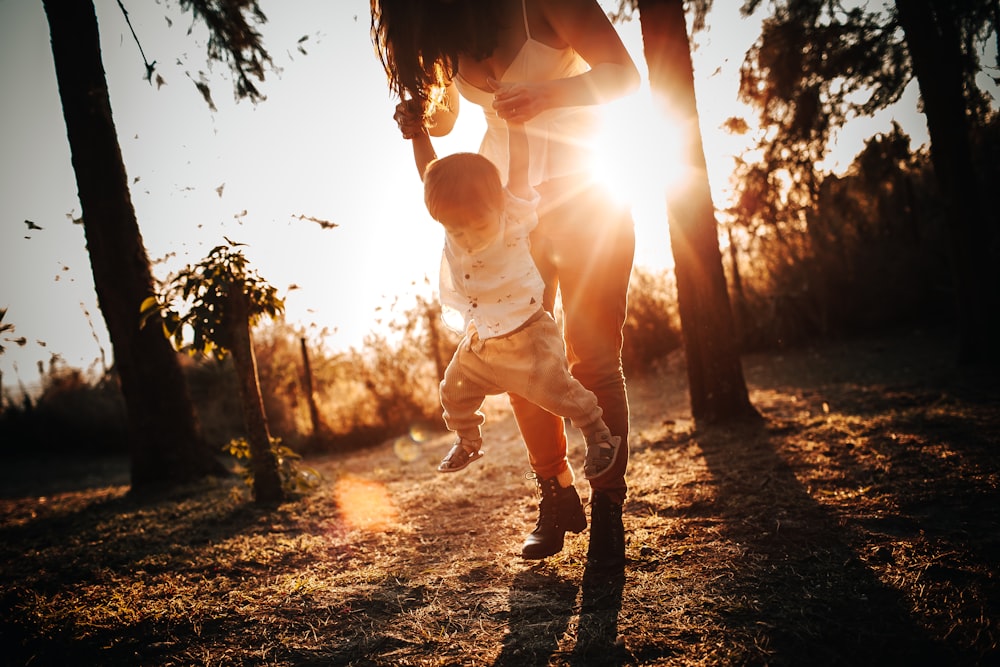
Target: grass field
[859, 525]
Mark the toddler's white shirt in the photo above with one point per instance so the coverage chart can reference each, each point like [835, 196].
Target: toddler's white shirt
[496, 289]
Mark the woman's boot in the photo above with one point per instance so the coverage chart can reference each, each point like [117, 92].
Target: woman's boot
[606, 552]
[560, 511]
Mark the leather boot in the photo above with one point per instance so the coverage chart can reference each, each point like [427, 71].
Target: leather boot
[560, 511]
[606, 552]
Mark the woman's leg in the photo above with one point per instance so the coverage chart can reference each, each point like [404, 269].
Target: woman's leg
[591, 241]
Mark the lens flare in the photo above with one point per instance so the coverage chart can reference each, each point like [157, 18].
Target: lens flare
[419, 433]
[364, 504]
[407, 448]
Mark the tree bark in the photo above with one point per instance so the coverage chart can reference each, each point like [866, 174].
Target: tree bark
[263, 464]
[317, 424]
[715, 374]
[165, 443]
[934, 43]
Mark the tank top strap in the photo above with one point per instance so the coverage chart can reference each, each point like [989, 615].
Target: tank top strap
[524, 17]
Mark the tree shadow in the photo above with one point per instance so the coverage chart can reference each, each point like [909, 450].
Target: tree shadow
[797, 592]
[75, 546]
[32, 475]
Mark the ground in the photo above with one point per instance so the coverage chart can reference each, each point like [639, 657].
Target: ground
[857, 525]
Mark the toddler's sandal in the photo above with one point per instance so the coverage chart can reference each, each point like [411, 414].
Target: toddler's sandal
[459, 456]
[601, 455]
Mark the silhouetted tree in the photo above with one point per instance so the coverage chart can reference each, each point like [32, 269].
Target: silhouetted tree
[715, 375]
[165, 442]
[218, 301]
[818, 64]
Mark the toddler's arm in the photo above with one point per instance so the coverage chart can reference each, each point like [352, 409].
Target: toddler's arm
[423, 152]
[411, 123]
[517, 166]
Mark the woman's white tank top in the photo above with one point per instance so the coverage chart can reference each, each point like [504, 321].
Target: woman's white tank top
[559, 140]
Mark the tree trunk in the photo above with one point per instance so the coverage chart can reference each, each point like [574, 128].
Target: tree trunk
[715, 375]
[934, 44]
[317, 424]
[741, 314]
[263, 464]
[433, 314]
[165, 442]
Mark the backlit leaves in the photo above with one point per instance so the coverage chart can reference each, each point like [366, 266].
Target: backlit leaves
[195, 308]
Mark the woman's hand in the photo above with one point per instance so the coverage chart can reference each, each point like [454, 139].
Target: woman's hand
[409, 118]
[519, 102]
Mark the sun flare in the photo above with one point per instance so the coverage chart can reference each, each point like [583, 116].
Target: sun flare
[639, 150]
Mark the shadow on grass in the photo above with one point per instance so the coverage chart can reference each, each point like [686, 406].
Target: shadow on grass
[49, 474]
[797, 593]
[541, 606]
[53, 559]
[597, 641]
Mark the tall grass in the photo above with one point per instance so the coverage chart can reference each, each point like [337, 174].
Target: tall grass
[384, 388]
[73, 413]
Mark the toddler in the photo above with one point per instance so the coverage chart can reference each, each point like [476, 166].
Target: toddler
[510, 343]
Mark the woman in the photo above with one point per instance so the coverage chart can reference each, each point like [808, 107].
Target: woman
[544, 63]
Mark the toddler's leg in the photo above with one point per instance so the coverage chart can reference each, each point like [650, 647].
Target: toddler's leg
[536, 368]
[462, 394]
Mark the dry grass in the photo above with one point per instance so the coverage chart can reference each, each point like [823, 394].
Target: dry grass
[859, 525]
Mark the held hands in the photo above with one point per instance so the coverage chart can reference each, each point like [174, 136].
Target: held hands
[409, 118]
[518, 102]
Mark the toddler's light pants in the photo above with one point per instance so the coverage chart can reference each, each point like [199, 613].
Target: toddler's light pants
[531, 362]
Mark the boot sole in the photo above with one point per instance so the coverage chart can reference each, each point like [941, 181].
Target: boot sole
[542, 554]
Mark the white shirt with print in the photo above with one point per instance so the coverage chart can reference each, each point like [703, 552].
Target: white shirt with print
[496, 289]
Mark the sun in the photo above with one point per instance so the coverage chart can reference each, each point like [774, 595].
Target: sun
[638, 153]
[638, 157]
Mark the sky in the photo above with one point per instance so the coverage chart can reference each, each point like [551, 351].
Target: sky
[322, 147]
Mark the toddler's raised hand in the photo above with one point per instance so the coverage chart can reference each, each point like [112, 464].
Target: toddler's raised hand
[409, 118]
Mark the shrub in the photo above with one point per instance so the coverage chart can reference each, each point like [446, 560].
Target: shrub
[72, 414]
[652, 326]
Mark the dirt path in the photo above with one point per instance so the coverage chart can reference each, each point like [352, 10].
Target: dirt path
[858, 526]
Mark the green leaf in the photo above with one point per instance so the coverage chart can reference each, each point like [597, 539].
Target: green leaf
[149, 307]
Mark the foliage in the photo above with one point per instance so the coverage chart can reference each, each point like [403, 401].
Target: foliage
[221, 301]
[296, 478]
[652, 325]
[399, 371]
[278, 348]
[817, 64]
[869, 254]
[235, 40]
[72, 413]
[195, 305]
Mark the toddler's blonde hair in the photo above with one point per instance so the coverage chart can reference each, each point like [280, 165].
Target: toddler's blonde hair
[464, 182]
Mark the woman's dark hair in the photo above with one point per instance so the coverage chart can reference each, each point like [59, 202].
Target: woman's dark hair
[419, 42]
